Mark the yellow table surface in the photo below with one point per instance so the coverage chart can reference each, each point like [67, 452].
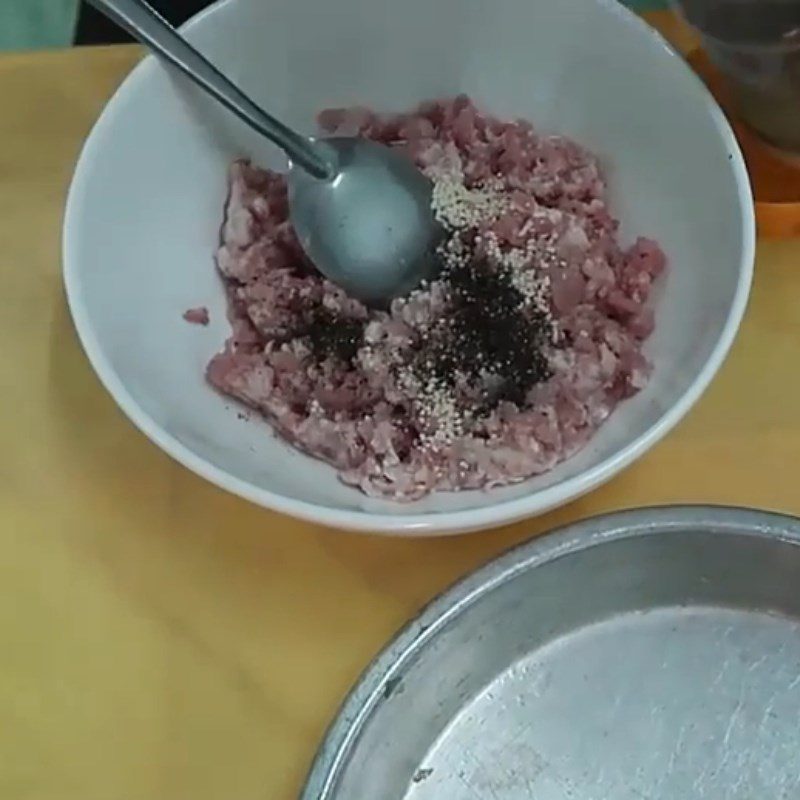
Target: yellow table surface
[161, 640]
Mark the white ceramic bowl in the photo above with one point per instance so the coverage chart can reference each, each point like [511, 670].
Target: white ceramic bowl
[144, 211]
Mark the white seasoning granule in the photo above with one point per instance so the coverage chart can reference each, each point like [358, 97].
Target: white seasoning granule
[524, 267]
[456, 207]
[441, 419]
[454, 252]
[534, 290]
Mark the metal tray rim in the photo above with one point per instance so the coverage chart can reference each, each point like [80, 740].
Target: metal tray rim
[379, 678]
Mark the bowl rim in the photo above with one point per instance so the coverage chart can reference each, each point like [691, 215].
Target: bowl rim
[407, 524]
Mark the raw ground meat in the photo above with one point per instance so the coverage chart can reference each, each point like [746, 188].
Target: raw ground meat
[197, 316]
[341, 396]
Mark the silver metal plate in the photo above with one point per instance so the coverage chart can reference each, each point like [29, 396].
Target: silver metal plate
[653, 654]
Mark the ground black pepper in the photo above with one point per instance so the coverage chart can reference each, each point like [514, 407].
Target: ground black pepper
[329, 335]
[487, 331]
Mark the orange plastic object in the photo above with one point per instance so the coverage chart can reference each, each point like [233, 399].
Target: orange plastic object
[775, 175]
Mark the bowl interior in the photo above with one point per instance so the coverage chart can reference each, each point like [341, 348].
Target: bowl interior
[145, 208]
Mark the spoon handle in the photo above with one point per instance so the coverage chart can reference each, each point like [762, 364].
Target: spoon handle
[150, 28]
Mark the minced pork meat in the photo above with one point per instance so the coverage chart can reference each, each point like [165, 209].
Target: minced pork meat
[498, 370]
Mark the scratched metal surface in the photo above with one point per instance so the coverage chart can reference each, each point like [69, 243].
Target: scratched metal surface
[647, 655]
[675, 703]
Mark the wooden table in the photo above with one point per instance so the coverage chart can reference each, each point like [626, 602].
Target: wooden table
[161, 640]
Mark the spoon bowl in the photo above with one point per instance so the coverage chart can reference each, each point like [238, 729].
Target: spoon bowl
[371, 225]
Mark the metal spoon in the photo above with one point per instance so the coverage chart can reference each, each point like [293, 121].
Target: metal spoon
[361, 210]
